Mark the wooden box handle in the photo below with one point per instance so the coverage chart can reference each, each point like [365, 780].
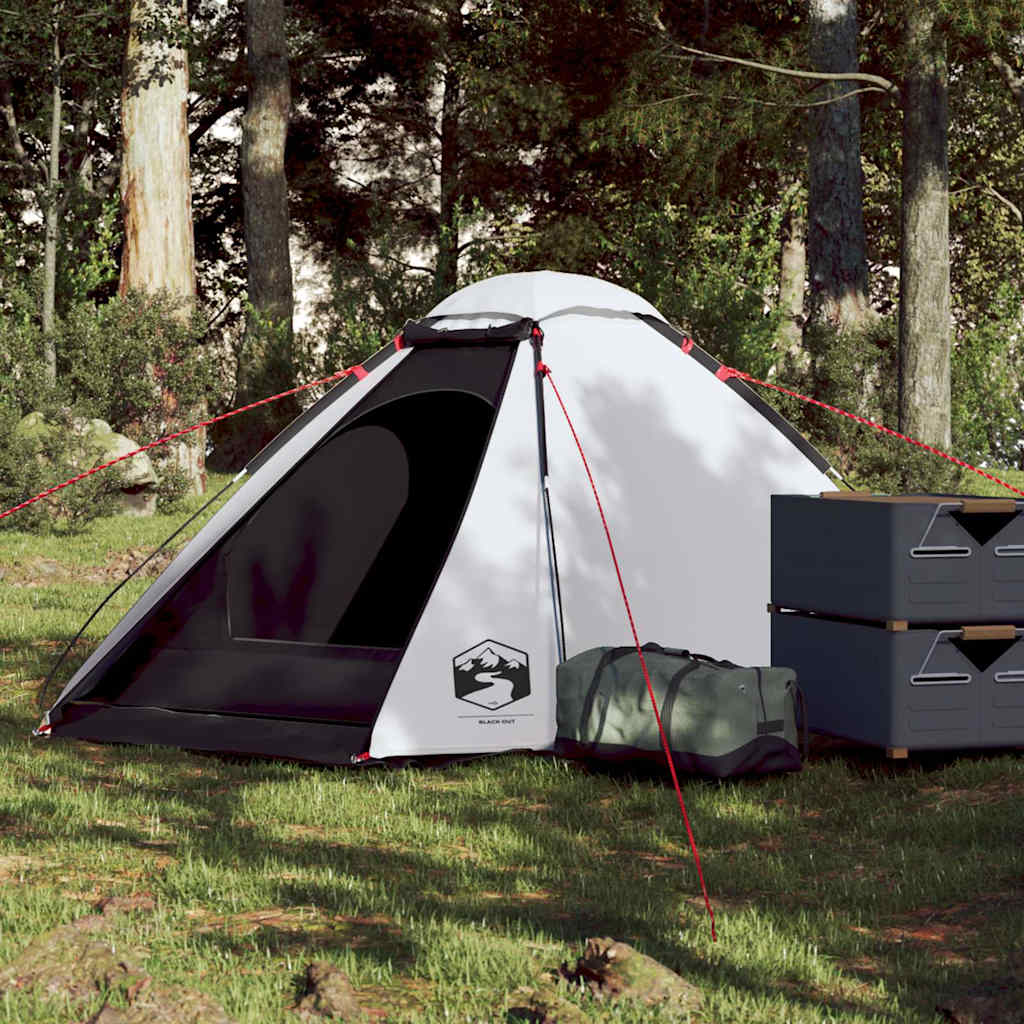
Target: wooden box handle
[988, 632]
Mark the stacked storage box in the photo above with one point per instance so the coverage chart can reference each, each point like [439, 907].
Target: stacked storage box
[903, 616]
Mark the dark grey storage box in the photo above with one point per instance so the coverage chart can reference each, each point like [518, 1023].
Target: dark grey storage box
[926, 558]
[915, 689]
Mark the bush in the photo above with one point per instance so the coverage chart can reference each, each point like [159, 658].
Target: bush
[132, 362]
[858, 371]
[31, 464]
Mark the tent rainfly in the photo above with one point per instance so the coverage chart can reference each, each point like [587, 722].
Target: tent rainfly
[410, 559]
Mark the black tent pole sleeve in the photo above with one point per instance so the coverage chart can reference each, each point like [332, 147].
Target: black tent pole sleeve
[537, 340]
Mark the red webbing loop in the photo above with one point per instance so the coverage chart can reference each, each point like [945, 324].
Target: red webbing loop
[357, 371]
[726, 372]
[545, 371]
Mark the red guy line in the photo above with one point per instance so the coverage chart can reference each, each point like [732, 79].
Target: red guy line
[545, 371]
[357, 371]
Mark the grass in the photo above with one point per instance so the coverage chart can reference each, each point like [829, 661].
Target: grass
[857, 890]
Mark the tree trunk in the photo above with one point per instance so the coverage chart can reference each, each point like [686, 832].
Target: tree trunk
[267, 366]
[835, 233]
[264, 187]
[924, 327]
[51, 221]
[788, 342]
[447, 270]
[156, 193]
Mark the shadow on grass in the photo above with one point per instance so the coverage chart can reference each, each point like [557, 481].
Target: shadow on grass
[566, 872]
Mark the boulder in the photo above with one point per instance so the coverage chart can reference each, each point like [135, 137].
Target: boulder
[98, 442]
[139, 478]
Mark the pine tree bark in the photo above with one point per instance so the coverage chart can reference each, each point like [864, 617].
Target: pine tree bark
[447, 268]
[924, 320]
[836, 247]
[267, 366]
[264, 185]
[156, 192]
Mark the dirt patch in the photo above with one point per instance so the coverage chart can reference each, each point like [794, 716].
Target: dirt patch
[995, 792]
[954, 928]
[46, 572]
[16, 865]
[997, 1000]
[302, 927]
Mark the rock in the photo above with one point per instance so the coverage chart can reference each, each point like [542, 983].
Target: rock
[329, 994]
[164, 1004]
[613, 970]
[140, 479]
[73, 964]
[70, 962]
[33, 427]
[544, 1005]
[99, 443]
[997, 1001]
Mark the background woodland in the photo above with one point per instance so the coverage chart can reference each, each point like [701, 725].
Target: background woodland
[826, 194]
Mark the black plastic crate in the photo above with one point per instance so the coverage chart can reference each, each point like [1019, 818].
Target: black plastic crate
[917, 558]
[912, 689]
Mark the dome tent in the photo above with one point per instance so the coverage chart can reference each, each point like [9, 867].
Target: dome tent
[414, 554]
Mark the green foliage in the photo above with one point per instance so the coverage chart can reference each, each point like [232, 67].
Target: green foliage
[261, 362]
[132, 362]
[23, 384]
[714, 279]
[120, 361]
[173, 489]
[32, 464]
[89, 268]
[986, 381]
[370, 301]
[856, 371]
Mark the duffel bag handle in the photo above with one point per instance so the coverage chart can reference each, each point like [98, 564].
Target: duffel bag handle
[611, 655]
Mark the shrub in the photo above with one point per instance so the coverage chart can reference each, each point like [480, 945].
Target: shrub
[858, 371]
[133, 362]
[29, 464]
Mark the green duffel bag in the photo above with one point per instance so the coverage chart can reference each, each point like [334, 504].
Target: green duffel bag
[720, 719]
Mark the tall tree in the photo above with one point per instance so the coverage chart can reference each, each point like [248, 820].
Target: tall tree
[55, 166]
[446, 271]
[924, 319]
[156, 193]
[836, 245]
[267, 365]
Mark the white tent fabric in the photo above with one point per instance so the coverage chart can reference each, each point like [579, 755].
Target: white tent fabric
[685, 469]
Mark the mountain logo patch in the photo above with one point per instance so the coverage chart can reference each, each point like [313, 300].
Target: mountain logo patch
[491, 675]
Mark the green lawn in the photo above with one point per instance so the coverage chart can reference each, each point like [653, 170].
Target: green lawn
[857, 890]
